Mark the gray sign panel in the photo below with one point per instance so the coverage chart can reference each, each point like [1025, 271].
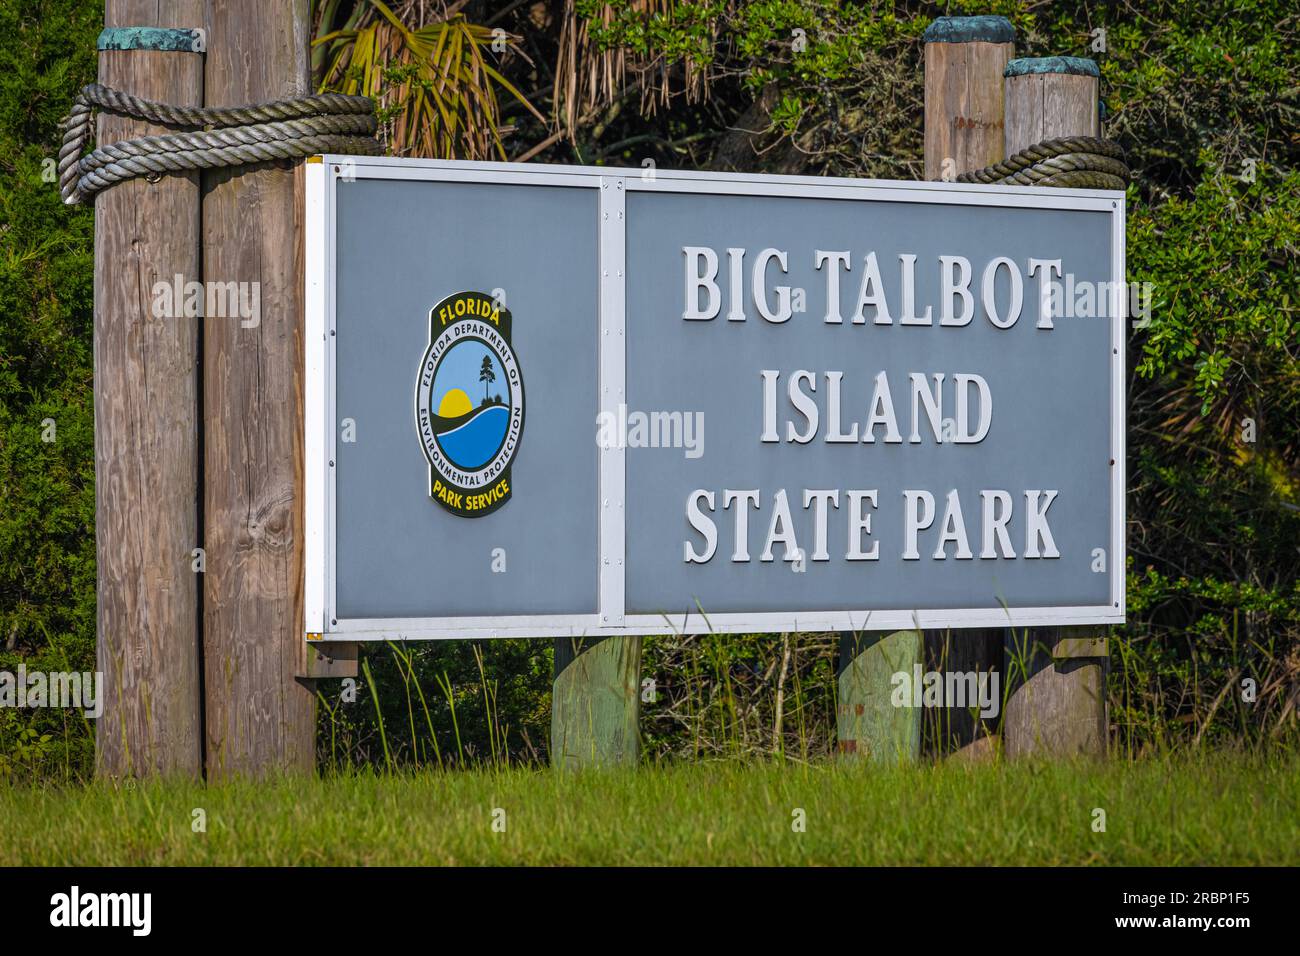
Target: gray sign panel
[752, 403]
[401, 248]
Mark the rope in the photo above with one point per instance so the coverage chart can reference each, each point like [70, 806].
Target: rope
[1081, 162]
[332, 122]
[231, 136]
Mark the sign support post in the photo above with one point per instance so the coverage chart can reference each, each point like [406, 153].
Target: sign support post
[1056, 703]
[595, 702]
[964, 61]
[146, 409]
[867, 724]
[595, 695]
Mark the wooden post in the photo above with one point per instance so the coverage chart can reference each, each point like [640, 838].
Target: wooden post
[868, 725]
[1057, 676]
[260, 714]
[964, 61]
[596, 703]
[1057, 701]
[965, 58]
[962, 732]
[146, 424]
[1049, 97]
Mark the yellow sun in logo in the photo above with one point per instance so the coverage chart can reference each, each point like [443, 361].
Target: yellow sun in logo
[454, 404]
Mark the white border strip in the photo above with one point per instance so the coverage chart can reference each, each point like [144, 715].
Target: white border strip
[446, 170]
[315, 547]
[1118, 413]
[693, 622]
[326, 462]
[612, 384]
[611, 619]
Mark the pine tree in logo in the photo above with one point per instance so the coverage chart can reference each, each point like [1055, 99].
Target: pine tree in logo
[486, 376]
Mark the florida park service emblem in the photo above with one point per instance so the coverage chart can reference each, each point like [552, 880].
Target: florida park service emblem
[469, 404]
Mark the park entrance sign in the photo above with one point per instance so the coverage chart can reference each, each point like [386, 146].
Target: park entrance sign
[751, 403]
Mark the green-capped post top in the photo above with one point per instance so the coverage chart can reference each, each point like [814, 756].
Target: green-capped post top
[982, 29]
[1072, 65]
[165, 39]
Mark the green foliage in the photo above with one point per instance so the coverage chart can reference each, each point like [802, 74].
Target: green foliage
[30, 749]
[1225, 264]
[445, 703]
[739, 695]
[673, 31]
[47, 490]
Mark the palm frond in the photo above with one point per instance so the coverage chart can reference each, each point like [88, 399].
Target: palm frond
[435, 86]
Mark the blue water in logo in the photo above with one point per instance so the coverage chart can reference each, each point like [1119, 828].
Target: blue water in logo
[472, 445]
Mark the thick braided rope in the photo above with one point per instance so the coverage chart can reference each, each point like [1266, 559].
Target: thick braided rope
[1083, 162]
[283, 129]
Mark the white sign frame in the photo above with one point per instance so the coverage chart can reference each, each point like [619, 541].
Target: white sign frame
[323, 175]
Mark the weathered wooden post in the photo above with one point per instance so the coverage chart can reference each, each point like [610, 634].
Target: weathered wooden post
[260, 713]
[1057, 676]
[965, 58]
[146, 414]
[868, 726]
[960, 731]
[595, 702]
[964, 61]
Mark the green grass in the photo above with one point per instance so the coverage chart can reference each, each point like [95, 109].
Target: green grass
[1217, 809]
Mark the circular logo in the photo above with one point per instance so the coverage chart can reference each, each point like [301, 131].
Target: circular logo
[469, 404]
